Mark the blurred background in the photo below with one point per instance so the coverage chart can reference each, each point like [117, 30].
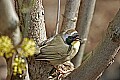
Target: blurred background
[105, 11]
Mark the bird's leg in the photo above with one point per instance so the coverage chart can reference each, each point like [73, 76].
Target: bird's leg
[62, 70]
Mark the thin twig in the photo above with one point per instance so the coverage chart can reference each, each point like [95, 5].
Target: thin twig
[58, 18]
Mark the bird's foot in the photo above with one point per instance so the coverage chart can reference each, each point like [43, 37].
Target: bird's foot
[61, 71]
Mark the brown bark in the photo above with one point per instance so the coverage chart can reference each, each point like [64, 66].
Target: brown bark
[38, 70]
[33, 26]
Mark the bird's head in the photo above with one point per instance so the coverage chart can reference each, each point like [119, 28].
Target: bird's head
[70, 36]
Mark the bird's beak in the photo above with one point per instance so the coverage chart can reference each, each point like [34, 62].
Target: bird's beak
[77, 38]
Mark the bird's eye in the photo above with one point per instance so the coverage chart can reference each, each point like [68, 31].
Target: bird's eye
[70, 37]
[69, 40]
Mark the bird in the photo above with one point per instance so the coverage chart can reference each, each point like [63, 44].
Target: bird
[59, 48]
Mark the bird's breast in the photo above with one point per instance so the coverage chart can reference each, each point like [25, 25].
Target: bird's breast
[75, 48]
[76, 45]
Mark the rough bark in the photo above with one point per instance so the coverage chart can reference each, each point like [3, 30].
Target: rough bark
[85, 15]
[102, 56]
[38, 70]
[33, 26]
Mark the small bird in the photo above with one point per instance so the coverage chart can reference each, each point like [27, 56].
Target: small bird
[60, 48]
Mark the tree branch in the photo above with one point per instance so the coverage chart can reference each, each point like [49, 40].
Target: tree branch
[102, 56]
[85, 15]
[58, 18]
[37, 29]
[32, 24]
[38, 70]
[70, 15]
[8, 18]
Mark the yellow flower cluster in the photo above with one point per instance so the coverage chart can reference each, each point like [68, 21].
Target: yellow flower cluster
[27, 47]
[6, 47]
[19, 65]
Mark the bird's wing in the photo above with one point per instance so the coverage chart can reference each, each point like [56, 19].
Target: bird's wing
[54, 49]
[46, 41]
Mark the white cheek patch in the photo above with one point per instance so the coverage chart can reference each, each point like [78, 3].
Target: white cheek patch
[66, 35]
